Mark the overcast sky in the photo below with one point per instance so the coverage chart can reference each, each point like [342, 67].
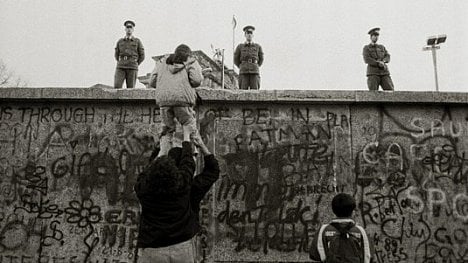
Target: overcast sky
[308, 44]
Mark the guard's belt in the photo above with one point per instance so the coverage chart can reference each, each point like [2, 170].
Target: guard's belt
[126, 58]
[251, 60]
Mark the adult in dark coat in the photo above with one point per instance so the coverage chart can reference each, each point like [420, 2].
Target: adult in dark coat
[170, 200]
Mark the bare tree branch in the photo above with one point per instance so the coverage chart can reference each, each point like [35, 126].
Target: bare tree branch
[8, 78]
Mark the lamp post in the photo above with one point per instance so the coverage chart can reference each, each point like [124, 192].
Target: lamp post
[433, 43]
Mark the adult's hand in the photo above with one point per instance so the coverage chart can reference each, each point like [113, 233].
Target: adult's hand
[198, 142]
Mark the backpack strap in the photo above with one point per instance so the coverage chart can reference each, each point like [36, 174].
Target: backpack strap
[366, 245]
[320, 245]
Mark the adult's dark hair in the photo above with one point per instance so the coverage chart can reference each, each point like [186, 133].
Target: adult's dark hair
[176, 154]
[181, 53]
[343, 205]
[165, 177]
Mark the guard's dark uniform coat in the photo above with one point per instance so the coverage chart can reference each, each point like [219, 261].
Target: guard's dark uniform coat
[129, 53]
[372, 54]
[248, 58]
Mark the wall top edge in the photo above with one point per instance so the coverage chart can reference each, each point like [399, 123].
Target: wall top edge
[106, 93]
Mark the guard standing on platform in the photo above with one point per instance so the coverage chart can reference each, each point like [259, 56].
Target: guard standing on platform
[129, 53]
[376, 57]
[248, 57]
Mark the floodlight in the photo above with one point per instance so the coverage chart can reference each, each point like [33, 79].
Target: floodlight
[431, 40]
[441, 39]
[432, 45]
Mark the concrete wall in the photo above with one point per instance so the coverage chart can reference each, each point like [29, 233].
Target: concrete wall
[69, 159]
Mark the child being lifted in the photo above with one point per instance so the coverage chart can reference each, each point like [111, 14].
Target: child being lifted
[174, 79]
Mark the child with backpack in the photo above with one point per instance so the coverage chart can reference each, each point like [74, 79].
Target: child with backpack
[342, 241]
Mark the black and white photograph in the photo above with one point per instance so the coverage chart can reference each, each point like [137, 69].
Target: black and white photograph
[233, 131]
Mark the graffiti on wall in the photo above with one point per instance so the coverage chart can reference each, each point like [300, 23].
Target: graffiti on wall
[282, 165]
[66, 181]
[279, 166]
[411, 173]
[67, 173]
